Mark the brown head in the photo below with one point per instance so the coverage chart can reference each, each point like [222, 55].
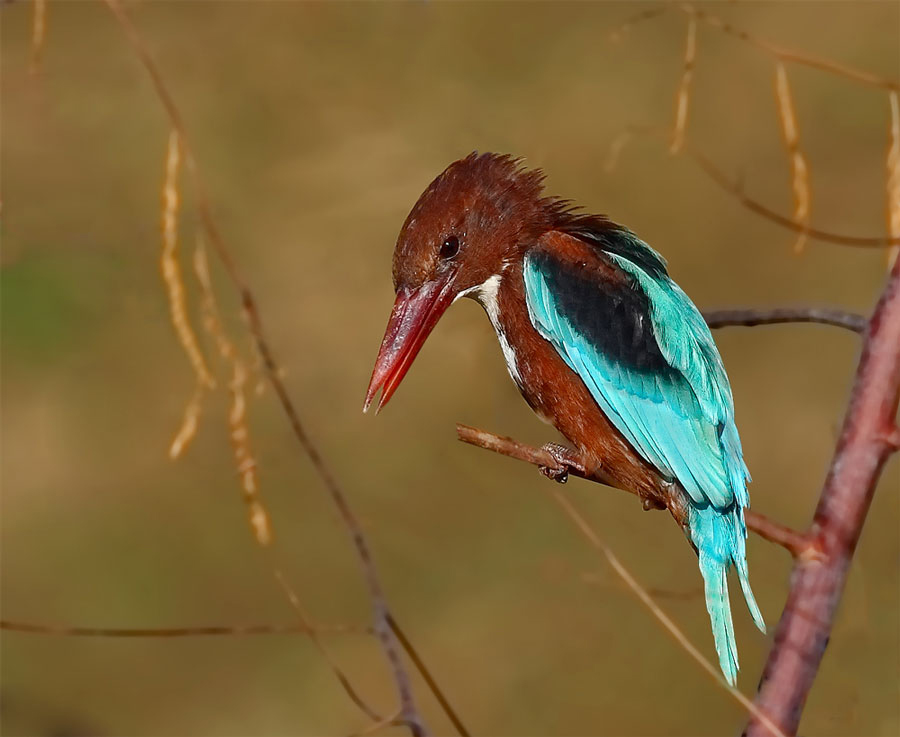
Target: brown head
[481, 212]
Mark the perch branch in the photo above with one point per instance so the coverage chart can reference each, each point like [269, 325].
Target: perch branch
[797, 543]
[817, 583]
[793, 541]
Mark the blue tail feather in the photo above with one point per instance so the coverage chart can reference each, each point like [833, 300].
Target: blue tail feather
[720, 540]
[739, 558]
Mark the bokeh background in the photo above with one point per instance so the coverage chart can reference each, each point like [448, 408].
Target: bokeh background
[316, 127]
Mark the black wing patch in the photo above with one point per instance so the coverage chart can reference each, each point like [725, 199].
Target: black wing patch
[614, 317]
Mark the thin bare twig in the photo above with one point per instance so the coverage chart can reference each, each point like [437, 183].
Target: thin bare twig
[716, 174]
[429, 679]
[409, 712]
[393, 720]
[165, 632]
[734, 189]
[323, 651]
[784, 315]
[789, 55]
[817, 583]
[620, 31]
[779, 53]
[668, 624]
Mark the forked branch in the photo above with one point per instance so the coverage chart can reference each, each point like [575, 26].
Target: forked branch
[822, 556]
[799, 544]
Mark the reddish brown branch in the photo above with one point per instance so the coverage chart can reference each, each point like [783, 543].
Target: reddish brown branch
[798, 543]
[818, 582]
[793, 541]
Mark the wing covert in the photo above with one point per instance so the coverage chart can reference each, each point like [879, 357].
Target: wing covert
[649, 361]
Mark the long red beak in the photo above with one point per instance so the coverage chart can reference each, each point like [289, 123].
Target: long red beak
[414, 316]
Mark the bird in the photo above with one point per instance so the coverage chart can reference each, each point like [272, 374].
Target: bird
[601, 343]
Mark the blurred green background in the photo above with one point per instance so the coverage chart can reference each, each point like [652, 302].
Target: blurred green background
[316, 127]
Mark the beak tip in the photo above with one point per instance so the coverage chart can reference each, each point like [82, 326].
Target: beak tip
[414, 315]
[370, 397]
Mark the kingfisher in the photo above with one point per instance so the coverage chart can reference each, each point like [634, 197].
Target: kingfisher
[599, 340]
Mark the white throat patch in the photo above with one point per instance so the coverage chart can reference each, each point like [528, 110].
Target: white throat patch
[486, 294]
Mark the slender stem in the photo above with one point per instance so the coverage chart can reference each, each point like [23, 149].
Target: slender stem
[381, 613]
[782, 315]
[718, 176]
[774, 51]
[735, 190]
[163, 632]
[789, 55]
[429, 679]
[664, 619]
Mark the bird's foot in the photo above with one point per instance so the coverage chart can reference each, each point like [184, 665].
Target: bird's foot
[650, 502]
[564, 462]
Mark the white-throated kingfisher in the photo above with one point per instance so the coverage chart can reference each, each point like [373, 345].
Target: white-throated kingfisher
[599, 340]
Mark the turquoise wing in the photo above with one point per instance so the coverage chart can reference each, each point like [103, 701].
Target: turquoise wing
[677, 412]
[645, 353]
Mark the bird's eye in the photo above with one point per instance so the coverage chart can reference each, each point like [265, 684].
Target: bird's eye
[450, 247]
